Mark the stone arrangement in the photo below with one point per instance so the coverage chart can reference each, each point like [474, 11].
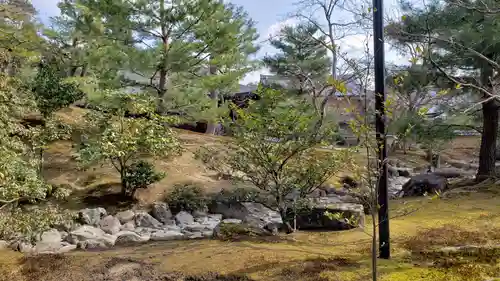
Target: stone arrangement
[96, 229]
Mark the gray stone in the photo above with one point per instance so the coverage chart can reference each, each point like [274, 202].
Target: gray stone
[26, 248]
[93, 237]
[129, 236]
[4, 245]
[424, 184]
[233, 221]
[451, 173]
[128, 226]
[184, 218]
[92, 216]
[161, 212]
[144, 219]
[110, 225]
[166, 235]
[51, 236]
[396, 185]
[125, 216]
[197, 227]
[254, 214]
[199, 213]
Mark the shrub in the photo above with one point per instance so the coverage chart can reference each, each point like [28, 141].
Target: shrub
[140, 175]
[29, 224]
[186, 197]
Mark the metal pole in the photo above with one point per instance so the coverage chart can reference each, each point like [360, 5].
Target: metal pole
[383, 198]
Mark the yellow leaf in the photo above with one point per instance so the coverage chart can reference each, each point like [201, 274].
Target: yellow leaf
[442, 92]
[403, 18]
[418, 49]
[458, 86]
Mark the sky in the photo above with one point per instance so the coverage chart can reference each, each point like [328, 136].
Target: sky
[270, 16]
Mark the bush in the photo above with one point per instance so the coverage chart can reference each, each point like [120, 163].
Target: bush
[29, 224]
[140, 175]
[187, 197]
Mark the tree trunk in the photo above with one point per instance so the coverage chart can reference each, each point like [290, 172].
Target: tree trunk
[214, 95]
[487, 153]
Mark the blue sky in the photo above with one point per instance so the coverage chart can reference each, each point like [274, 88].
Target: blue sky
[270, 15]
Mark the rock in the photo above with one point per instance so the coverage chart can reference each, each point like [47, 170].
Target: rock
[273, 227]
[161, 212]
[184, 218]
[26, 248]
[351, 216]
[125, 216]
[396, 185]
[128, 226]
[144, 219]
[450, 172]
[166, 235]
[51, 236]
[131, 237]
[348, 182]
[91, 216]
[234, 221]
[199, 213]
[254, 214]
[4, 245]
[92, 237]
[110, 225]
[424, 184]
[399, 171]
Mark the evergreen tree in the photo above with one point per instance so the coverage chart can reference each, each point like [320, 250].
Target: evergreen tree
[460, 36]
[302, 58]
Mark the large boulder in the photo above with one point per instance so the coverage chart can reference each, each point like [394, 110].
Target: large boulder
[91, 216]
[184, 218]
[143, 219]
[166, 235]
[110, 225]
[325, 214]
[91, 237]
[451, 172]
[254, 214]
[396, 185]
[161, 212]
[424, 184]
[124, 237]
[125, 216]
[51, 243]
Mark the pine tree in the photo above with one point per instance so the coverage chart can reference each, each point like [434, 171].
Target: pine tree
[301, 57]
[460, 36]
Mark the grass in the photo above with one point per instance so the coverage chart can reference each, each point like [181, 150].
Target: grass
[318, 256]
[420, 226]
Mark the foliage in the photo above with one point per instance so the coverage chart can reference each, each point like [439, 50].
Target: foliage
[301, 57]
[32, 223]
[434, 134]
[140, 175]
[51, 92]
[274, 148]
[19, 176]
[452, 34]
[113, 136]
[187, 197]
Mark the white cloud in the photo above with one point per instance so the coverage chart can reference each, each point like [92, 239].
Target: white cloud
[254, 76]
[275, 28]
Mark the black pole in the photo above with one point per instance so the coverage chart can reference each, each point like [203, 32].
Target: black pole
[383, 198]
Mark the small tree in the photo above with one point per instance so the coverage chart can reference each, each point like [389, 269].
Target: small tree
[275, 147]
[51, 93]
[123, 129]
